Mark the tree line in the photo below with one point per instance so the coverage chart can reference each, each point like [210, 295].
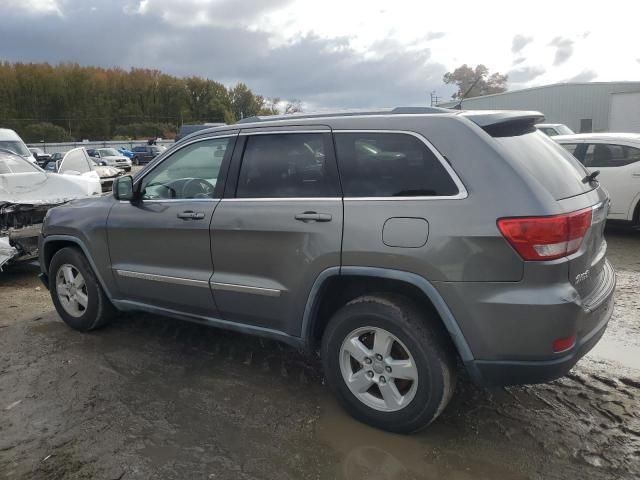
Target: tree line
[44, 102]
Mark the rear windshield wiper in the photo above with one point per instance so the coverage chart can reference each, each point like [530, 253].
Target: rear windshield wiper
[591, 177]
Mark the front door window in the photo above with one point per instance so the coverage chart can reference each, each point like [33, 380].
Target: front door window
[190, 173]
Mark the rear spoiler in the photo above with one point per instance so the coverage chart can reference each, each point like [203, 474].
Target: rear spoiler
[504, 123]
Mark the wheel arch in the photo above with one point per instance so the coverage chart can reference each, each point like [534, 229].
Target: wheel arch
[54, 243]
[315, 319]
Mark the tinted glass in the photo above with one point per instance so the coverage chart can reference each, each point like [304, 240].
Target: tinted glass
[609, 155]
[544, 159]
[285, 166]
[570, 147]
[191, 172]
[76, 161]
[139, 149]
[390, 165]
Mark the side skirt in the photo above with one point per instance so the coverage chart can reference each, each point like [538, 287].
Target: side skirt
[127, 305]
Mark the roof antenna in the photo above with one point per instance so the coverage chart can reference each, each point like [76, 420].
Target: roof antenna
[464, 95]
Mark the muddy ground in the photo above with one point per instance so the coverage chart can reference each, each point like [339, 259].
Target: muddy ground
[150, 397]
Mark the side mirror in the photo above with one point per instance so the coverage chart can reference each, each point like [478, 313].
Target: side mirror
[123, 188]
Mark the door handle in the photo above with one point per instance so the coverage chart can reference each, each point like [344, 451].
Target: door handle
[190, 215]
[313, 217]
[635, 174]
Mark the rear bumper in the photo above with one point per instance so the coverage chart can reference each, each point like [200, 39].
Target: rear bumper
[511, 327]
[504, 372]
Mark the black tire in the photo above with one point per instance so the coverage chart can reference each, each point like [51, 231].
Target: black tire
[99, 310]
[424, 337]
[136, 162]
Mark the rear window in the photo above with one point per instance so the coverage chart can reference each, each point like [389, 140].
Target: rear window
[555, 168]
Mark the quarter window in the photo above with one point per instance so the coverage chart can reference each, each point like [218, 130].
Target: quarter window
[390, 165]
[190, 173]
[286, 165]
[609, 155]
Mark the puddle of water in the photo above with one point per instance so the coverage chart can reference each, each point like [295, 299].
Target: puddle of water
[367, 453]
[626, 355]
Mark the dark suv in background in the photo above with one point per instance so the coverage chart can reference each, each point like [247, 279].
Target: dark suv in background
[143, 154]
[397, 244]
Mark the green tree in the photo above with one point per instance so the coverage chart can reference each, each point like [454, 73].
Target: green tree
[475, 82]
[98, 103]
[44, 132]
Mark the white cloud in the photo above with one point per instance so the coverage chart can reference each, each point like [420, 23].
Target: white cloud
[34, 6]
[373, 52]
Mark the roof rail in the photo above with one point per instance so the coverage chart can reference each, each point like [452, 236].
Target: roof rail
[391, 111]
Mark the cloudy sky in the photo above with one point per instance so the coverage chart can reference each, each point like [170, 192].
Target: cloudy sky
[333, 53]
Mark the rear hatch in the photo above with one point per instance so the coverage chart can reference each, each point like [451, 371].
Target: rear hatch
[564, 177]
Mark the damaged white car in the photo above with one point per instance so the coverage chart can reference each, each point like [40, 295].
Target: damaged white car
[26, 193]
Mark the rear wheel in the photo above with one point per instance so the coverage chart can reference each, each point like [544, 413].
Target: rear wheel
[136, 162]
[76, 293]
[389, 364]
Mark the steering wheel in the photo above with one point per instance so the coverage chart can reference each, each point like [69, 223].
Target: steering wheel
[197, 188]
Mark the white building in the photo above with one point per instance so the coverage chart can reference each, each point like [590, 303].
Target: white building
[583, 107]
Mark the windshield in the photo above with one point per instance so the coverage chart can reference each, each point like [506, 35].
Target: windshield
[564, 130]
[109, 152]
[16, 147]
[12, 164]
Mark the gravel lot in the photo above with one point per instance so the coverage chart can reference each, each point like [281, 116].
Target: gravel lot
[151, 397]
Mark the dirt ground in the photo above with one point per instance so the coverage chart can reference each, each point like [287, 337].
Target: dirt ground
[150, 397]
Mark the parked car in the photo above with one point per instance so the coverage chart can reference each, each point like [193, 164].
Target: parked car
[10, 140]
[397, 245]
[143, 154]
[553, 129]
[26, 194]
[617, 157]
[110, 157]
[106, 174]
[41, 157]
[125, 152]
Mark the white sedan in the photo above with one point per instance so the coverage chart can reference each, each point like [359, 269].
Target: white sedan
[617, 156]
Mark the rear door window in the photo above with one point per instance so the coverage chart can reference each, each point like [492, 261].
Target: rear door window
[610, 155]
[287, 165]
[374, 164]
[547, 161]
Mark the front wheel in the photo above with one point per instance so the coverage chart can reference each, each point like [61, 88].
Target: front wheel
[389, 363]
[76, 293]
[136, 162]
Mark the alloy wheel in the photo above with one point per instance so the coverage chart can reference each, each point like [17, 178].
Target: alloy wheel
[378, 369]
[72, 290]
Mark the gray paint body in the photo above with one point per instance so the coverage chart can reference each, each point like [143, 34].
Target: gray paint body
[249, 265]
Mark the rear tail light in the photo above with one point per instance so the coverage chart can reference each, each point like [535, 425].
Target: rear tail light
[546, 238]
[564, 344]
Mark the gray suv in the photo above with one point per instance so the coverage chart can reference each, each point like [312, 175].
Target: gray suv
[398, 244]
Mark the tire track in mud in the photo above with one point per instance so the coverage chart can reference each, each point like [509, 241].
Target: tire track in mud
[156, 396]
